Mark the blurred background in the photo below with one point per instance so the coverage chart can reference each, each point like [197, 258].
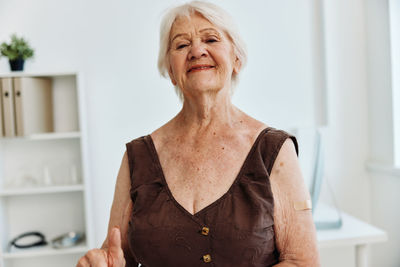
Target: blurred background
[313, 64]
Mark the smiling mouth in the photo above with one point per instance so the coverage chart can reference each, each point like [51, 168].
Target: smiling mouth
[200, 68]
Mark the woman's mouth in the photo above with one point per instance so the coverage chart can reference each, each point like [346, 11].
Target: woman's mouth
[200, 68]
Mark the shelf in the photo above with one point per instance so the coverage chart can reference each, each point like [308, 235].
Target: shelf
[46, 136]
[352, 233]
[33, 74]
[41, 190]
[44, 173]
[44, 251]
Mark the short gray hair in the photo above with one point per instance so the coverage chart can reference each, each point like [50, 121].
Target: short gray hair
[213, 13]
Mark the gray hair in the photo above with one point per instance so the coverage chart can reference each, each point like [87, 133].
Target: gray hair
[213, 13]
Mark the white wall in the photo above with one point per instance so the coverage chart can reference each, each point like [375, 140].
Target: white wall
[346, 136]
[115, 45]
[347, 131]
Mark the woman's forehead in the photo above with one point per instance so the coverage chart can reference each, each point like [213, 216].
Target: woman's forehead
[194, 22]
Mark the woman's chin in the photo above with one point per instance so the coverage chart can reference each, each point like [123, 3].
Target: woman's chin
[204, 87]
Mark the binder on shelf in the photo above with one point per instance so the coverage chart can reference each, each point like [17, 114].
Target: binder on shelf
[65, 105]
[8, 107]
[33, 105]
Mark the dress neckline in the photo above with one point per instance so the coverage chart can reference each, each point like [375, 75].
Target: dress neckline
[155, 156]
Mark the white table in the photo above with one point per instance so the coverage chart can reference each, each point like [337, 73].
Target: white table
[353, 232]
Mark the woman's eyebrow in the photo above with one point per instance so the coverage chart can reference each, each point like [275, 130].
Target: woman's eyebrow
[179, 35]
[202, 30]
[209, 29]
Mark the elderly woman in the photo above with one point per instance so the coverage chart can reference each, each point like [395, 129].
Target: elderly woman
[213, 186]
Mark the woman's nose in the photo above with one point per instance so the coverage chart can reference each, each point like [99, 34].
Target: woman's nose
[197, 50]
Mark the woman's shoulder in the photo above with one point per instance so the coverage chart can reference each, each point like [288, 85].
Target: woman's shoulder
[278, 132]
[270, 143]
[136, 140]
[268, 129]
[153, 135]
[276, 138]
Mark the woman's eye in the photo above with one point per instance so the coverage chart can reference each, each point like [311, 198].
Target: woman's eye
[211, 40]
[181, 46]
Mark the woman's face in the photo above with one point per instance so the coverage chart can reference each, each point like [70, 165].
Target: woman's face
[201, 56]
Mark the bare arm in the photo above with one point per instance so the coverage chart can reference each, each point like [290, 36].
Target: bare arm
[122, 205]
[294, 229]
[115, 247]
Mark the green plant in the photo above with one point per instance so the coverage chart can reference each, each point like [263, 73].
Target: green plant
[17, 49]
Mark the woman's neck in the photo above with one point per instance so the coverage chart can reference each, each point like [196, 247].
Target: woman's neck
[207, 111]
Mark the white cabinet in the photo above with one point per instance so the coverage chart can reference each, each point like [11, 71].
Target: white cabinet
[44, 179]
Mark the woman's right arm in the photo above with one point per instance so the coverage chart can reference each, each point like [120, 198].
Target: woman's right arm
[111, 253]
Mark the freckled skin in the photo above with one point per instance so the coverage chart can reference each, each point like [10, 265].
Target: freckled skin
[296, 240]
[214, 166]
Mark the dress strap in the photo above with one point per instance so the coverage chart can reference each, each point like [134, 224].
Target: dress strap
[141, 163]
[272, 144]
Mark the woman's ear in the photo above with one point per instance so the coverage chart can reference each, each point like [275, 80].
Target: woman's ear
[171, 76]
[236, 66]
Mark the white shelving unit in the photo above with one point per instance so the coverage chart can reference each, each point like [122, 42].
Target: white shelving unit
[44, 180]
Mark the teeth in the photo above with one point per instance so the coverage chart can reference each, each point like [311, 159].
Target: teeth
[201, 68]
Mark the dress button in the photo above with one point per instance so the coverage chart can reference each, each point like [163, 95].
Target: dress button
[207, 258]
[205, 230]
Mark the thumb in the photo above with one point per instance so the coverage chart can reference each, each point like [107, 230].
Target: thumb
[116, 255]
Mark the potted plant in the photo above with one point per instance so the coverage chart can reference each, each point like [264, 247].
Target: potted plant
[17, 52]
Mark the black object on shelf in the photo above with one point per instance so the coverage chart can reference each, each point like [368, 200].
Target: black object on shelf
[18, 241]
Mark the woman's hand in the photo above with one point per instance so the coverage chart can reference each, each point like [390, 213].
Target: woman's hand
[113, 256]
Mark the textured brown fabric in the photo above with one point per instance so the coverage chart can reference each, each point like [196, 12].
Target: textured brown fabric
[163, 234]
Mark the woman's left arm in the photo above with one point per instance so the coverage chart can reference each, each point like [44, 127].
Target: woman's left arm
[294, 227]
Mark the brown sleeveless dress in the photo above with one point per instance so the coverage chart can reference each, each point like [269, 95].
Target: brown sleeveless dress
[236, 230]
